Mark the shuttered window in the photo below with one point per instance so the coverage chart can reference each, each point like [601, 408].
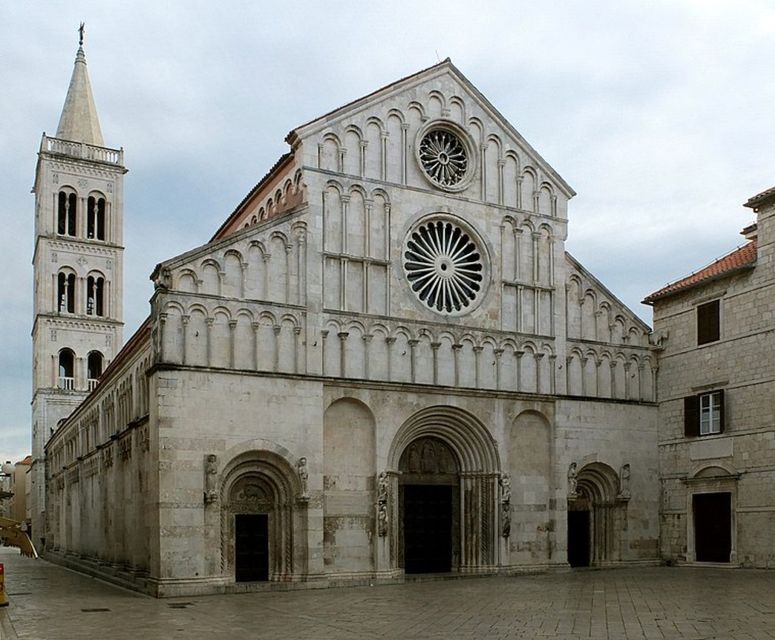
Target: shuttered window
[708, 325]
[704, 414]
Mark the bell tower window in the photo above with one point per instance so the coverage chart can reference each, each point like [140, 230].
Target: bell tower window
[66, 292]
[95, 218]
[95, 287]
[94, 368]
[66, 369]
[66, 214]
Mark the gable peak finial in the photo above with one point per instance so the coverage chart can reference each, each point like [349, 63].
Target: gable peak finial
[81, 29]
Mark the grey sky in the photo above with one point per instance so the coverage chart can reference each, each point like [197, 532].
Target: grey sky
[659, 114]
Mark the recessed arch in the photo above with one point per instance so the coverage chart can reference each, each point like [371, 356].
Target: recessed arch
[261, 483]
[467, 509]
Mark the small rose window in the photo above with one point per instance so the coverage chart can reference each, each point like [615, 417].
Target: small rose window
[443, 157]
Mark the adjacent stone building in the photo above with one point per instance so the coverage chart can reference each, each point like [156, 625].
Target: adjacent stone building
[716, 396]
[383, 362]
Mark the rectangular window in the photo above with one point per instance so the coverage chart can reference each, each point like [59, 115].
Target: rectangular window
[710, 413]
[704, 414]
[708, 325]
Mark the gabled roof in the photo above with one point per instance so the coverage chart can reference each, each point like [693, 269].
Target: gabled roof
[276, 168]
[445, 66]
[740, 259]
[79, 121]
[605, 290]
[760, 198]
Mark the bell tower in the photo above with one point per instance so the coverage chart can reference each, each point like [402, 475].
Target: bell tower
[78, 270]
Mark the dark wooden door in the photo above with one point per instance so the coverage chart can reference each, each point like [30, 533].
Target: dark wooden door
[578, 538]
[427, 528]
[712, 526]
[252, 547]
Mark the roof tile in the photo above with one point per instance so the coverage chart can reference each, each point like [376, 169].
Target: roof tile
[741, 258]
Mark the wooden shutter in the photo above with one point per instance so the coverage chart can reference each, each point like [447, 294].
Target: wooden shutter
[708, 325]
[692, 416]
[721, 410]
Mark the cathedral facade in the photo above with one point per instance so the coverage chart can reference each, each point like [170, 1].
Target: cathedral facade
[383, 363]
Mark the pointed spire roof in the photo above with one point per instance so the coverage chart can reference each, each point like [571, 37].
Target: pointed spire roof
[79, 121]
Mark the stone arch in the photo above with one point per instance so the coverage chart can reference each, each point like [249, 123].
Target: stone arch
[474, 494]
[349, 466]
[457, 109]
[602, 514]
[264, 482]
[529, 455]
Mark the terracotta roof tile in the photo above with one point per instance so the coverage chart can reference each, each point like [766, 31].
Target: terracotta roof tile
[741, 258]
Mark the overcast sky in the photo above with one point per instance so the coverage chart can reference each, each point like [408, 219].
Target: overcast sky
[659, 114]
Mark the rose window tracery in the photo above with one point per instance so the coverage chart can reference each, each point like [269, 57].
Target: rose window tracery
[444, 266]
[443, 157]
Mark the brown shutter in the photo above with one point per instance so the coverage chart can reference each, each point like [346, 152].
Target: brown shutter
[692, 416]
[721, 410]
[708, 325]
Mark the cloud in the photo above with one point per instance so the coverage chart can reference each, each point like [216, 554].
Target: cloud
[658, 114]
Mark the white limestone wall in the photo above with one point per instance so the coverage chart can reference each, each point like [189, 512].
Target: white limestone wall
[614, 434]
[741, 460]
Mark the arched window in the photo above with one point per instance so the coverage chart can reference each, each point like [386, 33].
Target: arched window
[94, 368]
[66, 292]
[95, 218]
[66, 369]
[66, 214]
[95, 286]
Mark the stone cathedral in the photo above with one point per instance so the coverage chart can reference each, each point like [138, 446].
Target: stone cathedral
[383, 363]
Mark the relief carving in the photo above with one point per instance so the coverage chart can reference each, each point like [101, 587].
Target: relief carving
[211, 477]
[301, 469]
[383, 489]
[572, 482]
[505, 482]
[624, 483]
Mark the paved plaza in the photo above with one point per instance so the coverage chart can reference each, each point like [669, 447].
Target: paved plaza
[52, 603]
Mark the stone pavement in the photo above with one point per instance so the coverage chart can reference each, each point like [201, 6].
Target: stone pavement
[52, 603]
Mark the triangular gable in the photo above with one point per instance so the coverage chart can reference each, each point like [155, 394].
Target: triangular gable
[444, 67]
[575, 265]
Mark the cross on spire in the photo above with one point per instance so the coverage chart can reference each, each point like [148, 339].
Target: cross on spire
[81, 29]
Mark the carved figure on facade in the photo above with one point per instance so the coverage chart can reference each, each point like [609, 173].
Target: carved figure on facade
[211, 477]
[107, 456]
[657, 339]
[624, 483]
[301, 470]
[383, 489]
[505, 483]
[572, 482]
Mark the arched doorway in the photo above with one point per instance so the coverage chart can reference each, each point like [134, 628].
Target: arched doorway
[428, 485]
[445, 467]
[261, 509]
[594, 515]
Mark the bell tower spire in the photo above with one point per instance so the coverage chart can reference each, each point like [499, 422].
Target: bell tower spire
[78, 271]
[79, 121]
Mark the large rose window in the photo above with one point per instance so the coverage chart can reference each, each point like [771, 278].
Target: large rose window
[444, 266]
